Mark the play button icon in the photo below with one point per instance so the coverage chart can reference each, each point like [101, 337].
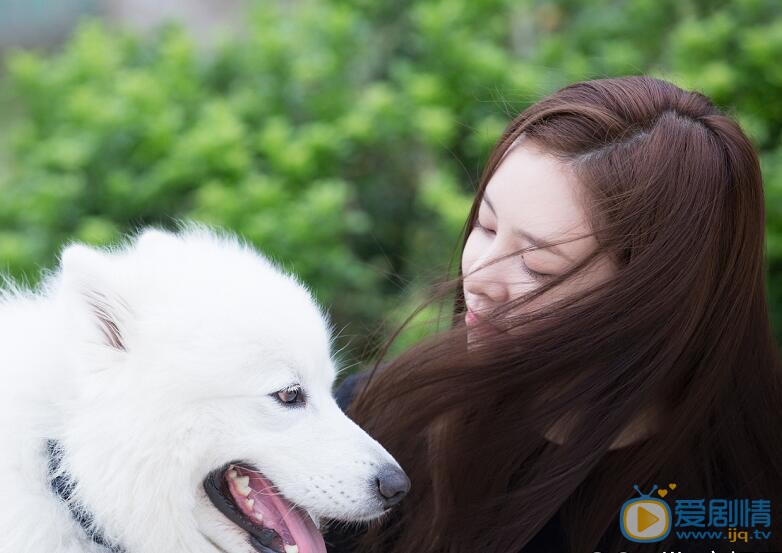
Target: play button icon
[645, 520]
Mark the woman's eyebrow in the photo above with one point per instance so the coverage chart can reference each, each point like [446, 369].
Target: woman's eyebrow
[534, 240]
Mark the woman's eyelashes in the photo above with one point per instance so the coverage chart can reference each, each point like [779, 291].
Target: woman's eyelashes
[486, 229]
[534, 274]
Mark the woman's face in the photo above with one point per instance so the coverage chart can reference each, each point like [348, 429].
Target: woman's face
[531, 196]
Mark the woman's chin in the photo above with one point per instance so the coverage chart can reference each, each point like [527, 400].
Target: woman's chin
[477, 333]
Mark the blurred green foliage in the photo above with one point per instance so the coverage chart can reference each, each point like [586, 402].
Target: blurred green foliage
[344, 138]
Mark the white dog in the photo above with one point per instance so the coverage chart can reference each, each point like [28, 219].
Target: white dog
[174, 395]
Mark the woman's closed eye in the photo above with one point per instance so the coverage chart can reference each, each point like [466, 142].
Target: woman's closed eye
[486, 229]
[532, 273]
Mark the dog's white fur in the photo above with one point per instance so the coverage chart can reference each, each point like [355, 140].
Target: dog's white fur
[154, 363]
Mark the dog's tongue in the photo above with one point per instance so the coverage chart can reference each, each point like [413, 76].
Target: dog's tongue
[266, 506]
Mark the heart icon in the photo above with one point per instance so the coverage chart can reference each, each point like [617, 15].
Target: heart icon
[662, 492]
[672, 486]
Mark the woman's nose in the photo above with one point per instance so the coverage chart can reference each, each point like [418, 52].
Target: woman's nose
[488, 281]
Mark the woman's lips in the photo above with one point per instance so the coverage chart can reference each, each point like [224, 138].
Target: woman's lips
[479, 324]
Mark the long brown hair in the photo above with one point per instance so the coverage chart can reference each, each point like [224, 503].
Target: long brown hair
[675, 196]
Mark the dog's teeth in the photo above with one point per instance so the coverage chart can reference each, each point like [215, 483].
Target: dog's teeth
[291, 548]
[243, 485]
[250, 503]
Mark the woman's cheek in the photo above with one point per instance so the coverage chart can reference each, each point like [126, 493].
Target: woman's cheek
[471, 252]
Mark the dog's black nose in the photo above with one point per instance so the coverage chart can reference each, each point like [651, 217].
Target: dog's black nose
[393, 484]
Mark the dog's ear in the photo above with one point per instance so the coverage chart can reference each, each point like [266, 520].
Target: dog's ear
[90, 283]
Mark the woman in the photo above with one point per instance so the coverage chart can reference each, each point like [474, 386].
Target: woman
[610, 330]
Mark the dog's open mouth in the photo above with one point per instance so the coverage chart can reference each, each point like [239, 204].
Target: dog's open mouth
[252, 502]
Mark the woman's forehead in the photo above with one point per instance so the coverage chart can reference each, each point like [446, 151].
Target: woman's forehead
[539, 194]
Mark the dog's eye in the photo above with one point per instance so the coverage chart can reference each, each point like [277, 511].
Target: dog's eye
[290, 395]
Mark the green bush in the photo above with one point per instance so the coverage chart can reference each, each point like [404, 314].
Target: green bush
[344, 138]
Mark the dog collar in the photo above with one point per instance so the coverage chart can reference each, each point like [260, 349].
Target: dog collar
[63, 485]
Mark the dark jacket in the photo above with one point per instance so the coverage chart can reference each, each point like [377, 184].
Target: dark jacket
[550, 539]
